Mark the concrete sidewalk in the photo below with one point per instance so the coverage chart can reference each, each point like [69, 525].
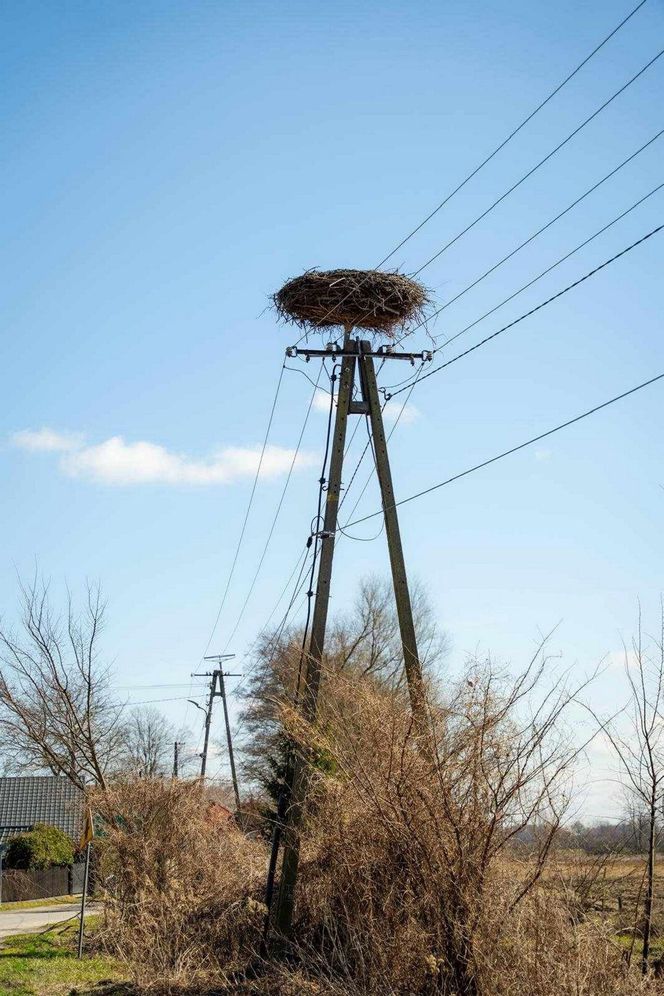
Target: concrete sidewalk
[27, 921]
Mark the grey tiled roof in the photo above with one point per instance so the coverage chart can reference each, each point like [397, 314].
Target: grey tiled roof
[39, 799]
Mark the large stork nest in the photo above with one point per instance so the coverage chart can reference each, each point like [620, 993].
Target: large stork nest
[364, 299]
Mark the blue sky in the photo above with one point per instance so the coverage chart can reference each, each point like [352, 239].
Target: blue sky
[168, 165]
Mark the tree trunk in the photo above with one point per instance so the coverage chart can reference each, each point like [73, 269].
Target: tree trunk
[650, 887]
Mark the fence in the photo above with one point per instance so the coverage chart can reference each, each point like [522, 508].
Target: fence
[17, 886]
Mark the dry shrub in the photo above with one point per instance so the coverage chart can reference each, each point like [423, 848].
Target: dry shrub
[422, 865]
[365, 299]
[181, 885]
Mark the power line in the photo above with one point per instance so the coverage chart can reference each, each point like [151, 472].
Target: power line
[366, 448]
[277, 512]
[515, 449]
[178, 698]
[544, 228]
[562, 259]
[247, 513]
[299, 563]
[316, 535]
[297, 590]
[174, 684]
[370, 444]
[516, 130]
[312, 542]
[491, 155]
[543, 304]
[537, 166]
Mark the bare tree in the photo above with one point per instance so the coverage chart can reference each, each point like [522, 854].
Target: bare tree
[640, 750]
[149, 740]
[57, 709]
[446, 845]
[364, 642]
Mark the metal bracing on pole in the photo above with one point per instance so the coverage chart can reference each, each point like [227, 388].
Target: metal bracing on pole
[354, 354]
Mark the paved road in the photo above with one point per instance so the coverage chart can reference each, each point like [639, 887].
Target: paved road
[27, 920]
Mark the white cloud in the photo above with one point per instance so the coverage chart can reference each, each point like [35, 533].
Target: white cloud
[621, 659]
[322, 401]
[542, 455]
[46, 440]
[408, 416]
[391, 411]
[118, 462]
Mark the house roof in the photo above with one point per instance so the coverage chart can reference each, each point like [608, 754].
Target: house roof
[39, 799]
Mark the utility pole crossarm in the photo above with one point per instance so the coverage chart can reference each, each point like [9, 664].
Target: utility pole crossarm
[337, 352]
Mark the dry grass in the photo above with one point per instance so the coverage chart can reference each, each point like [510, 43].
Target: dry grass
[179, 884]
[365, 299]
[411, 883]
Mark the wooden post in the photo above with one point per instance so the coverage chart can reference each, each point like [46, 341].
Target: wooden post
[397, 564]
[208, 720]
[284, 912]
[86, 875]
[229, 740]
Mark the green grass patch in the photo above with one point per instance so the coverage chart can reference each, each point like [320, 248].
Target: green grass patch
[46, 965]
[28, 904]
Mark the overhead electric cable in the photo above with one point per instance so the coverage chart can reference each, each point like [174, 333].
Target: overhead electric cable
[544, 272]
[174, 684]
[276, 637]
[178, 698]
[247, 512]
[312, 541]
[491, 155]
[514, 449]
[515, 132]
[316, 537]
[537, 166]
[410, 389]
[277, 512]
[544, 228]
[299, 563]
[365, 539]
[542, 304]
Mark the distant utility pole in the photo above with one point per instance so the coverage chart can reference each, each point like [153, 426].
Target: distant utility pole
[217, 676]
[176, 758]
[357, 358]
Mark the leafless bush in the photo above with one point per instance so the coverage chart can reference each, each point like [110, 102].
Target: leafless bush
[413, 877]
[423, 871]
[180, 881]
[364, 642]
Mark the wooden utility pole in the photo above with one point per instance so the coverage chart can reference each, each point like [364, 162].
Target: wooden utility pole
[229, 739]
[284, 912]
[355, 354]
[218, 675]
[208, 723]
[411, 658]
